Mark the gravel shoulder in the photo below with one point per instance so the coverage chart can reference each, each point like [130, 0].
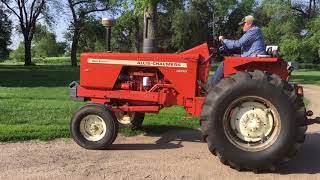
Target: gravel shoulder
[177, 154]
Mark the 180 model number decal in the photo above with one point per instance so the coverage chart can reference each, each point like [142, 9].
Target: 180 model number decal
[137, 63]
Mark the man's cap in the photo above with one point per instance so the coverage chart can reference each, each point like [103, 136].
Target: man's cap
[247, 19]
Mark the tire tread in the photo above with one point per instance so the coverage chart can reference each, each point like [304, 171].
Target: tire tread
[279, 84]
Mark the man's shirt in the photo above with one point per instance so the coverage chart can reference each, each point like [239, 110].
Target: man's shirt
[251, 43]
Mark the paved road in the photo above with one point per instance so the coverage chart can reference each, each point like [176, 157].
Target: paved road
[173, 155]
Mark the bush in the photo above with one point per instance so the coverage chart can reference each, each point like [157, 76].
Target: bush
[52, 60]
[18, 54]
[41, 60]
[309, 66]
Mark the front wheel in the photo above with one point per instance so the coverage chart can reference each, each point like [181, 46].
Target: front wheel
[94, 126]
[253, 121]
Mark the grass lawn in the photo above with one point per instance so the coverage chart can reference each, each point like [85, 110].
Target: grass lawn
[304, 76]
[35, 103]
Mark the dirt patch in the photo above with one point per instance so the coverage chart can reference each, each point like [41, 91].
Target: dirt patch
[177, 154]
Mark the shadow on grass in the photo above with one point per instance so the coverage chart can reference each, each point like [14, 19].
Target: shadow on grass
[171, 139]
[307, 160]
[37, 76]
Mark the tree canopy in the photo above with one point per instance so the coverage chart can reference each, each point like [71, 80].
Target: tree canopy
[5, 33]
[28, 14]
[183, 24]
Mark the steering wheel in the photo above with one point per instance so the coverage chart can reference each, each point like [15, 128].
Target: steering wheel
[223, 49]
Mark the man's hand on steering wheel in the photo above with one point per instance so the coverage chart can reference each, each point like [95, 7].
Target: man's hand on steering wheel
[223, 49]
[221, 38]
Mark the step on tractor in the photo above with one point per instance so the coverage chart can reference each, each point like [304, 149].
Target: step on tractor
[253, 119]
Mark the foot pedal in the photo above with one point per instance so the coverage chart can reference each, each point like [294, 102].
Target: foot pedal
[317, 120]
[313, 121]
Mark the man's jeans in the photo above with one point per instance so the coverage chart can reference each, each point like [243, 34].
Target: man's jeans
[218, 75]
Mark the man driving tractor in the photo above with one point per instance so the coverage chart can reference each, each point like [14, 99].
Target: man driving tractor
[254, 119]
[251, 44]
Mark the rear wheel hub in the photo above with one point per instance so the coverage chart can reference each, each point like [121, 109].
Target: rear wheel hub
[252, 123]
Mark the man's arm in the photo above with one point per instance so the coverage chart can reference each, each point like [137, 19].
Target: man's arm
[246, 38]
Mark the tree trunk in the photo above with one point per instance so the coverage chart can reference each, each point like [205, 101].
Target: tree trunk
[74, 46]
[150, 28]
[310, 9]
[137, 36]
[27, 52]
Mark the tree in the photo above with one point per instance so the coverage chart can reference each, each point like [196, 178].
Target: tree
[45, 43]
[166, 14]
[156, 16]
[151, 26]
[305, 47]
[231, 28]
[150, 29]
[190, 26]
[28, 13]
[92, 37]
[292, 26]
[80, 9]
[188, 29]
[5, 33]
[18, 54]
[127, 34]
[49, 47]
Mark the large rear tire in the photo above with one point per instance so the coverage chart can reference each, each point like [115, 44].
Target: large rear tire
[253, 121]
[94, 126]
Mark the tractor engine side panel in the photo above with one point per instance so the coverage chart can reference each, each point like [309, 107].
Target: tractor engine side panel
[95, 74]
[144, 82]
[172, 76]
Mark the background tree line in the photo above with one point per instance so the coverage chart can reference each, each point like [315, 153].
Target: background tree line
[179, 25]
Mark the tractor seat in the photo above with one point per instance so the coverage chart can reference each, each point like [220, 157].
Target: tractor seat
[272, 51]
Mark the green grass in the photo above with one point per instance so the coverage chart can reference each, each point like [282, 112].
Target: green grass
[35, 104]
[306, 102]
[305, 76]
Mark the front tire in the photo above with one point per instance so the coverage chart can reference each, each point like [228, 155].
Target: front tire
[94, 126]
[253, 121]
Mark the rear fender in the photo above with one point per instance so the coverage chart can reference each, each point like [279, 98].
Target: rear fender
[272, 65]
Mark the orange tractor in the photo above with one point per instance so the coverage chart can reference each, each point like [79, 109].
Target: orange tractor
[254, 119]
